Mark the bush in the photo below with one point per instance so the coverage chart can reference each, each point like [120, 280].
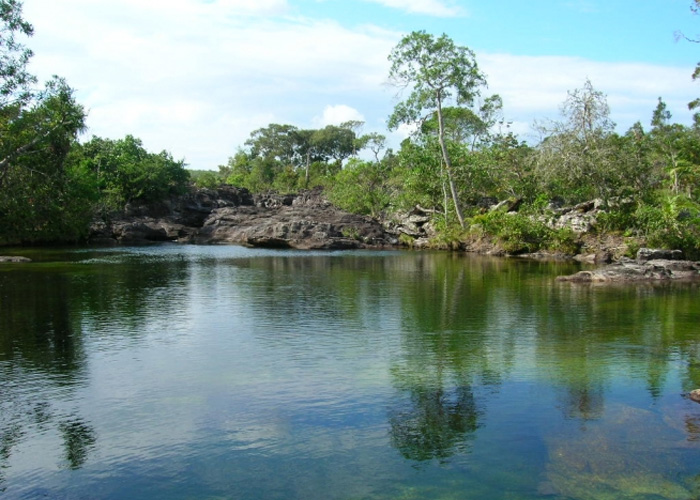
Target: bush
[518, 233]
[674, 225]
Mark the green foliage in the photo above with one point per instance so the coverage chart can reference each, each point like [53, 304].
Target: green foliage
[518, 233]
[360, 188]
[15, 79]
[436, 70]
[674, 223]
[286, 158]
[126, 172]
[205, 178]
[575, 158]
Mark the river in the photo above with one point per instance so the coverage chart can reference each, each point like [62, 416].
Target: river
[217, 372]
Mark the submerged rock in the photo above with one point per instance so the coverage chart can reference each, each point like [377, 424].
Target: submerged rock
[611, 460]
[695, 395]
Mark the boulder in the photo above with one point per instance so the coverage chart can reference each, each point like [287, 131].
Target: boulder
[288, 226]
[632, 271]
[417, 223]
[647, 254]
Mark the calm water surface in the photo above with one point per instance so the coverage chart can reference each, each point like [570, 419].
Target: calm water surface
[183, 372]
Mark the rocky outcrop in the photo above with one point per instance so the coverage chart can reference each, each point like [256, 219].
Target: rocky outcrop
[650, 265]
[416, 225]
[647, 254]
[580, 218]
[235, 216]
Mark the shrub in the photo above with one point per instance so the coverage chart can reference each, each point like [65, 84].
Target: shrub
[518, 233]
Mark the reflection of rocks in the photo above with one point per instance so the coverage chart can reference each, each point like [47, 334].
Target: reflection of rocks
[14, 259]
[231, 215]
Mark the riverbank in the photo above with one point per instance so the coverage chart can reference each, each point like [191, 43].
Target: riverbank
[307, 220]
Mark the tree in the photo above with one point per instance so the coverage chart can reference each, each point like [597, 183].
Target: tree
[15, 80]
[41, 199]
[374, 141]
[127, 172]
[676, 146]
[575, 157]
[274, 142]
[438, 73]
[695, 9]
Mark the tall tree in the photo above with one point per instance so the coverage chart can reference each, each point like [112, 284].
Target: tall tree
[438, 74]
[38, 199]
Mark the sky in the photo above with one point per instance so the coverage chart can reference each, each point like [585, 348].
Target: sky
[196, 77]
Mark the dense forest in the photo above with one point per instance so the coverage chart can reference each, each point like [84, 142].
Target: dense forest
[460, 159]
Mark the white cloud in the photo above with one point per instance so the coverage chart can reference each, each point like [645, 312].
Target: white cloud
[335, 115]
[435, 8]
[196, 83]
[536, 87]
[196, 78]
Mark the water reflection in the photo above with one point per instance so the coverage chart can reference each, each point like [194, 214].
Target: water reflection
[79, 438]
[215, 370]
[45, 311]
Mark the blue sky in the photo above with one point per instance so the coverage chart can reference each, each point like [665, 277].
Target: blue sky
[195, 77]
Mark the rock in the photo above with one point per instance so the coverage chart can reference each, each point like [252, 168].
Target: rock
[14, 259]
[231, 215]
[416, 223]
[632, 271]
[602, 257]
[646, 254]
[285, 226]
[585, 259]
[510, 205]
[580, 218]
[695, 395]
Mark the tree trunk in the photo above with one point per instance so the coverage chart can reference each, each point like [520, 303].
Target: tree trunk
[448, 163]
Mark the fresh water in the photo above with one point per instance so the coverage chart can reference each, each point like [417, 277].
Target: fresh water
[222, 372]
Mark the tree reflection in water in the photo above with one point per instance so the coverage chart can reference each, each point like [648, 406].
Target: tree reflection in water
[436, 414]
[435, 423]
[79, 438]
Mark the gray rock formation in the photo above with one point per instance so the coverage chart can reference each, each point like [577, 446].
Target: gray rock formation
[231, 215]
[646, 254]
